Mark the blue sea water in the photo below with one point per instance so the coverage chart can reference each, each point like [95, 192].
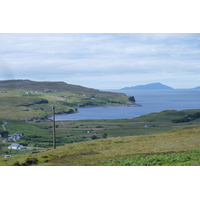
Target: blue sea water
[150, 101]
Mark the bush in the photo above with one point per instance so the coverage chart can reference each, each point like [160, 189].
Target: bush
[99, 126]
[105, 135]
[94, 137]
[30, 161]
[16, 163]
[4, 134]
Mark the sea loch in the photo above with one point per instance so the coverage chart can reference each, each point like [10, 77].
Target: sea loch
[151, 101]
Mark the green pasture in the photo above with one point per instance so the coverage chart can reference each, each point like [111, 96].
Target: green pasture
[180, 147]
[16, 104]
[70, 134]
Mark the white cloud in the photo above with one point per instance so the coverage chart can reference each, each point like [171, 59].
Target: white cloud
[68, 56]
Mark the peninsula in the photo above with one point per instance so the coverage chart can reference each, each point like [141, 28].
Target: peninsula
[26, 99]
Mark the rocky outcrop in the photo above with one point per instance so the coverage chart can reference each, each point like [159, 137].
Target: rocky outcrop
[132, 98]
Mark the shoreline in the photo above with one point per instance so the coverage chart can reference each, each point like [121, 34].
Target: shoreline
[77, 111]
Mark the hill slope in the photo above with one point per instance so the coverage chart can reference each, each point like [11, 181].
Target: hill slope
[41, 86]
[30, 99]
[106, 150]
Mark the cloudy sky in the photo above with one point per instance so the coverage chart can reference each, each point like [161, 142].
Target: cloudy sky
[102, 61]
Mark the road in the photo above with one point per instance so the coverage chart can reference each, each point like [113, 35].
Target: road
[3, 126]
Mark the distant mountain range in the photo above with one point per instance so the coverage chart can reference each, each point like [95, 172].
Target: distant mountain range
[151, 86]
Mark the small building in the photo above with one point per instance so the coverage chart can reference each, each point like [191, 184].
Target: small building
[19, 134]
[7, 156]
[12, 138]
[16, 146]
[21, 147]
[15, 137]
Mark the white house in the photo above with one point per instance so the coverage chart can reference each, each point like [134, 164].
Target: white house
[21, 147]
[15, 146]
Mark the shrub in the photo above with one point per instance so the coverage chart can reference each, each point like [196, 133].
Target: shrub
[105, 135]
[99, 126]
[94, 137]
[16, 163]
[4, 134]
[30, 161]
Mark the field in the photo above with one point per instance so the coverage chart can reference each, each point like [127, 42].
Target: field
[173, 148]
[27, 104]
[127, 141]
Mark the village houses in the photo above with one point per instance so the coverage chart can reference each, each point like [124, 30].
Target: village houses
[15, 137]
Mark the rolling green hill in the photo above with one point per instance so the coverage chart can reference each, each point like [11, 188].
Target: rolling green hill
[42, 86]
[22, 99]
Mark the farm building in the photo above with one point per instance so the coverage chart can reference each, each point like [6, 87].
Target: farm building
[19, 134]
[16, 146]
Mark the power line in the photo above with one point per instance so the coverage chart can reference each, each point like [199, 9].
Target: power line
[54, 126]
[69, 134]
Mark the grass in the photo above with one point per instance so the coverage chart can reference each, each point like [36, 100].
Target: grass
[106, 151]
[39, 133]
[16, 104]
[188, 158]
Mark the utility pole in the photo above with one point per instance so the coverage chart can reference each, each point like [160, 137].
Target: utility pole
[54, 127]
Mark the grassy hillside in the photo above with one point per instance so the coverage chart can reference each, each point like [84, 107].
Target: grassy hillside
[42, 86]
[112, 151]
[39, 133]
[22, 99]
[129, 142]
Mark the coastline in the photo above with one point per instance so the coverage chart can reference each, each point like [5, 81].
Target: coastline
[77, 111]
[84, 113]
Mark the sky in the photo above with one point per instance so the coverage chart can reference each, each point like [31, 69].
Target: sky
[102, 60]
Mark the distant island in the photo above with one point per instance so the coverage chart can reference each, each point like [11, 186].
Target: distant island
[197, 88]
[151, 86]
